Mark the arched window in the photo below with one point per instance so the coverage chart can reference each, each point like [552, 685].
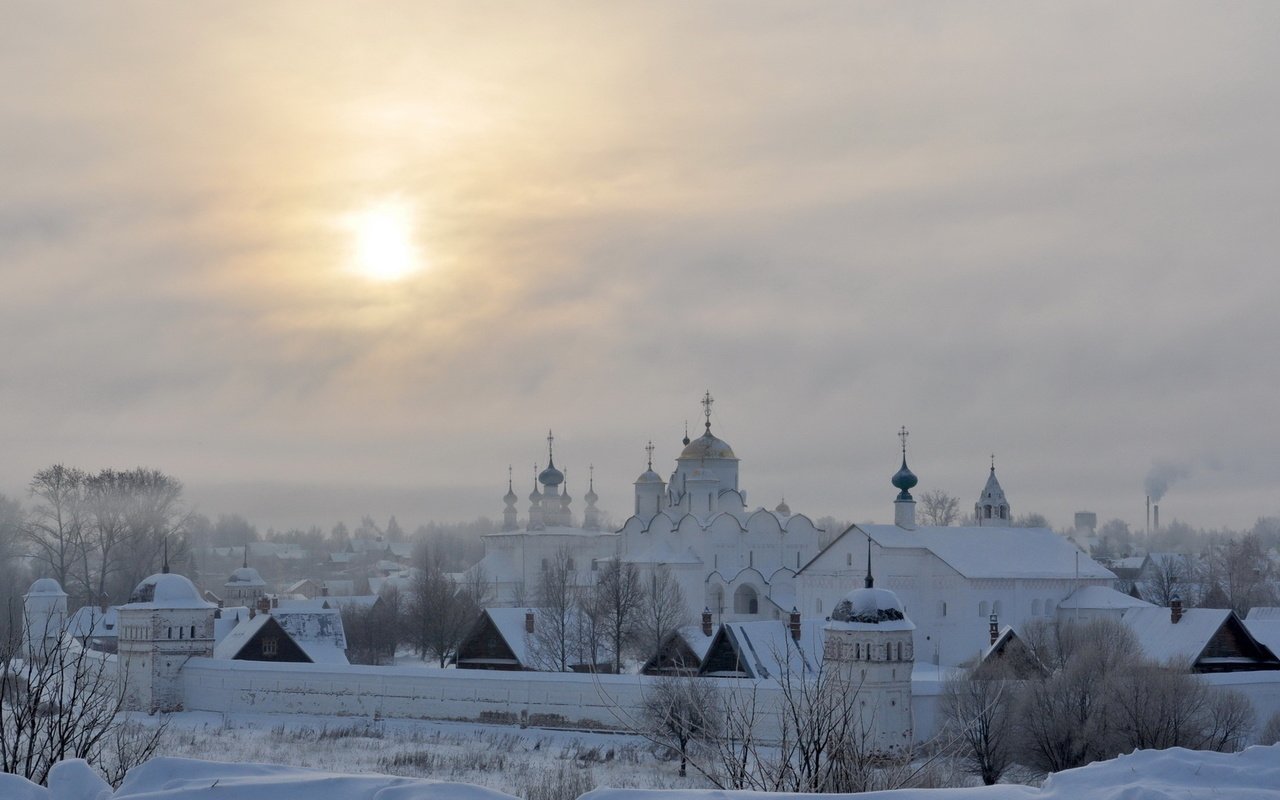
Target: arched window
[984, 609]
[1004, 512]
[899, 651]
[986, 511]
[942, 608]
[857, 650]
[848, 559]
[746, 601]
[193, 631]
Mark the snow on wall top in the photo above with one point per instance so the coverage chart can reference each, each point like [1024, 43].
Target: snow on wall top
[1094, 597]
[993, 552]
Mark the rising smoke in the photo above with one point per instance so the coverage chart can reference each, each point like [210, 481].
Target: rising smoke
[1162, 475]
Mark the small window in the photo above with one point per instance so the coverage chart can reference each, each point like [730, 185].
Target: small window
[193, 631]
[270, 646]
[942, 608]
[848, 559]
[169, 630]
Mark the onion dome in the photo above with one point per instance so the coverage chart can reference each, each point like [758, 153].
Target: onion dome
[168, 590]
[46, 587]
[591, 497]
[551, 476]
[707, 446]
[783, 508]
[535, 495]
[649, 476]
[905, 480]
[870, 606]
[510, 497]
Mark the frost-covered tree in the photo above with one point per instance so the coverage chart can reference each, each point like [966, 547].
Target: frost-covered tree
[662, 611]
[939, 508]
[680, 711]
[979, 710]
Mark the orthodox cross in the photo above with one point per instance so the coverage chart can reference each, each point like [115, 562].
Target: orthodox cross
[550, 459]
[707, 400]
[993, 462]
[649, 449]
[508, 476]
[903, 434]
[591, 473]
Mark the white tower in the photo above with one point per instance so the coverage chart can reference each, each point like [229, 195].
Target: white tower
[868, 641]
[992, 509]
[245, 585]
[591, 514]
[45, 618]
[509, 513]
[904, 507]
[165, 623]
[706, 473]
[649, 489]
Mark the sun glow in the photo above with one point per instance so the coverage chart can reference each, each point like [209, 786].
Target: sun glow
[384, 246]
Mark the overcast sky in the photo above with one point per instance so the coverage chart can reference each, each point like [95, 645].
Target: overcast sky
[1047, 231]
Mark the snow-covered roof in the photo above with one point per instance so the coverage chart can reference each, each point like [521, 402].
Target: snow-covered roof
[662, 551]
[1098, 597]
[93, 621]
[767, 650]
[317, 630]
[697, 642]
[1131, 562]
[1263, 612]
[994, 552]
[245, 576]
[166, 590]
[510, 625]
[227, 622]
[233, 642]
[1265, 628]
[46, 587]
[1163, 640]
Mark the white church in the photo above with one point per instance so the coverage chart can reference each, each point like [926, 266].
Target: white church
[746, 565]
[740, 564]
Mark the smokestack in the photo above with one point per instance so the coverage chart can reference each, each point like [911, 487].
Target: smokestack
[794, 623]
[706, 622]
[1155, 517]
[1175, 608]
[528, 620]
[995, 628]
[264, 604]
[1148, 515]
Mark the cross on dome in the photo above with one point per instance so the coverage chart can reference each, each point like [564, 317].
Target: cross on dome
[707, 401]
[551, 461]
[903, 433]
[649, 449]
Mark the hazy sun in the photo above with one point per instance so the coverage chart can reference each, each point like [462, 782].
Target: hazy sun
[384, 246]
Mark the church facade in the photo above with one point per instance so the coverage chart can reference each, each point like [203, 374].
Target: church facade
[739, 563]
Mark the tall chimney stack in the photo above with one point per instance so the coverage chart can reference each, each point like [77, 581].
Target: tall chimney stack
[1175, 608]
[793, 623]
[1155, 517]
[528, 620]
[1148, 514]
[706, 622]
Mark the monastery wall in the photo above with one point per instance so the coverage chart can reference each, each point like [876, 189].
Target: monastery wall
[609, 701]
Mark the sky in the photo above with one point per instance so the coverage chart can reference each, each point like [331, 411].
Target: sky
[1041, 230]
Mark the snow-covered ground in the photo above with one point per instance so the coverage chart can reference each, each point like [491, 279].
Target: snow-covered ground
[1144, 775]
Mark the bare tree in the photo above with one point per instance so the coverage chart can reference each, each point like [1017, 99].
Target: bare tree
[618, 597]
[1170, 574]
[553, 642]
[681, 711]
[13, 572]
[64, 701]
[54, 527]
[662, 611]
[939, 508]
[1246, 575]
[371, 631]
[979, 706]
[437, 614]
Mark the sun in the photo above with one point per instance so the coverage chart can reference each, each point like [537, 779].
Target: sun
[384, 248]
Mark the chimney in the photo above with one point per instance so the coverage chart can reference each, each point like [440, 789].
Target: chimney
[994, 627]
[1155, 517]
[104, 601]
[528, 620]
[706, 622]
[264, 605]
[275, 601]
[1175, 608]
[794, 623]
